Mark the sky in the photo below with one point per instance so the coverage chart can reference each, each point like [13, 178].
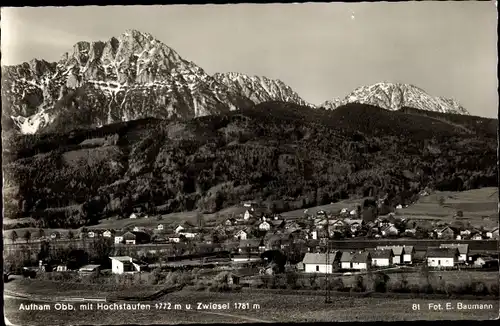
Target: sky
[321, 50]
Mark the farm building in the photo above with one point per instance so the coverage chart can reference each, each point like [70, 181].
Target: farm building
[442, 257]
[389, 230]
[88, 269]
[133, 215]
[247, 215]
[361, 260]
[492, 234]
[346, 260]
[55, 235]
[463, 250]
[91, 234]
[179, 228]
[316, 262]
[123, 264]
[230, 221]
[477, 236]
[107, 234]
[381, 257]
[160, 227]
[251, 245]
[445, 233]
[264, 226]
[408, 254]
[398, 252]
[241, 235]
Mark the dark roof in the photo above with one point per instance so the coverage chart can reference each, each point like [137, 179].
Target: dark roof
[360, 257]
[462, 248]
[397, 250]
[381, 253]
[346, 256]
[442, 252]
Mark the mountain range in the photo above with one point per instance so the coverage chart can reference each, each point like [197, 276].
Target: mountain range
[135, 76]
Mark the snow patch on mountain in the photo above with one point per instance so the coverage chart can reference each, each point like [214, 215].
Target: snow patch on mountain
[394, 96]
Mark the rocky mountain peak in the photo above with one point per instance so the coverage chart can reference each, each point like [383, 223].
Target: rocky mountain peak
[394, 96]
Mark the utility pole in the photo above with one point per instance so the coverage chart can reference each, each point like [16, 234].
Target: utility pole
[327, 293]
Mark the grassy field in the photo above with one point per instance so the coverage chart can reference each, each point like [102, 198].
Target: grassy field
[262, 308]
[479, 207]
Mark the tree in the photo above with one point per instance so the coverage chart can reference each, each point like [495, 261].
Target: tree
[41, 233]
[14, 236]
[460, 214]
[71, 235]
[441, 201]
[27, 236]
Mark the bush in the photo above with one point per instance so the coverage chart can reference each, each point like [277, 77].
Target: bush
[337, 284]
[200, 286]
[479, 288]
[358, 285]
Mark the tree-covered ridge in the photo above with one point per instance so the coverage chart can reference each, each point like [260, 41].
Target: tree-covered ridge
[289, 155]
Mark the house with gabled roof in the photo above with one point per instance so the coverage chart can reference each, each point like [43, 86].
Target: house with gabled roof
[316, 262]
[463, 250]
[398, 253]
[442, 257]
[264, 226]
[390, 230]
[346, 260]
[445, 233]
[492, 234]
[408, 254]
[381, 257]
[241, 235]
[107, 233]
[361, 260]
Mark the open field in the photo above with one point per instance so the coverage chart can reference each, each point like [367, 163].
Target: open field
[261, 308]
[479, 207]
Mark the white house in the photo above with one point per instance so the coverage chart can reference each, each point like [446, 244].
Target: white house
[381, 257]
[346, 260]
[344, 211]
[361, 260]
[353, 212]
[477, 236]
[133, 215]
[179, 229]
[314, 235]
[442, 257]
[409, 252]
[118, 238]
[91, 234]
[389, 230]
[264, 226]
[241, 235]
[247, 215]
[188, 234]
[493, 234]
[399, 206]
[316, 263]
[123, 264]
[397, 251]
[107, 234]
[175, 239]
[136, 229]
[463, 250]
[160, 227]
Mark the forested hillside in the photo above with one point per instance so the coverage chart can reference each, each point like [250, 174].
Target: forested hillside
[284, 154]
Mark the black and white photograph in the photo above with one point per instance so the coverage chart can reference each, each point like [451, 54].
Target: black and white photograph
[250, 163]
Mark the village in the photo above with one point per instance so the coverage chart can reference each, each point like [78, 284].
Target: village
[303, 242]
